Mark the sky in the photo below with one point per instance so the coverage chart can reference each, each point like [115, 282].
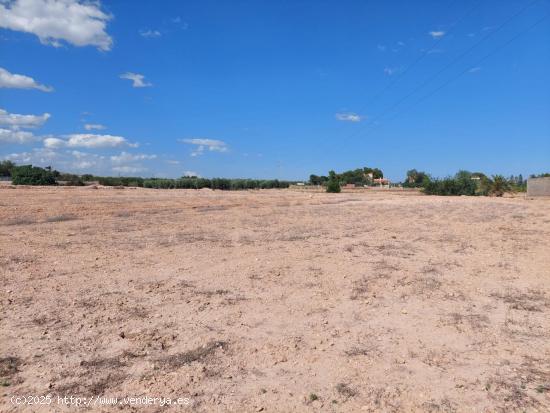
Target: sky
[275, 89]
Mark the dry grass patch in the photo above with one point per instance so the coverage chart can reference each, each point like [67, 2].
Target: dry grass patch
[475, 322]
[61, 218]
[9, 366]
[20, 221]
[345, 390]
[530, 300]
[178, 360]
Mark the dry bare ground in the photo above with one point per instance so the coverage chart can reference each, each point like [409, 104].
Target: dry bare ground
[275, 300]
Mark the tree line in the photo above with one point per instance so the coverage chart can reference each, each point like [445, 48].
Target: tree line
[34, 175]
[359, 176]
[465, 183]
[462, 183]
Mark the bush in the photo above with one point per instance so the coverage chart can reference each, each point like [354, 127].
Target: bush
[333, 187]
[6, 168]
[416, 179]
[32, 175]
[499, 185]
[333, 184]
[461, 184]
[71, 179]
[120, 181]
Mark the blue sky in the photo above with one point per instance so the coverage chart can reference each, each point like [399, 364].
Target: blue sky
[275, 89]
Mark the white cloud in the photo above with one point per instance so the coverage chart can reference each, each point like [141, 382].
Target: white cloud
[14, 81]
[40, 156]
[128, 163]
[178, 20]
[23, 157]
[349, 117]
[70, 160]
[190, 173]
[126, 157]
[81, 23]
[15, 121]
[150, 33]
[381, 47]
[129, 169]
[83, 161]
[18, 137]
[52, 142]
[66, 161]
[437, 34]
[94, 126]
[474, 69]
[389, 71]
[136, 78]
[202, 144]
[87, 140]
[83, 165]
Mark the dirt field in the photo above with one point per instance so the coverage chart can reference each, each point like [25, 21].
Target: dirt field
[275, 300]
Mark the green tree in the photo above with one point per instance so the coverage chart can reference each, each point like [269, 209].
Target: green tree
[317, 180]
[32, 175]
[416, 179]
[70, 179]
[6, 168]
[333, 184]
[499, 185]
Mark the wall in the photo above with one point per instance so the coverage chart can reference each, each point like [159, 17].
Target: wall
[538, 187]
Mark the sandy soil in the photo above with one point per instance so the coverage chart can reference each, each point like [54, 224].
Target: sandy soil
[275, 301]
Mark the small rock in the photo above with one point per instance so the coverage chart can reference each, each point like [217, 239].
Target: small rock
[122, 335]
[403, 311]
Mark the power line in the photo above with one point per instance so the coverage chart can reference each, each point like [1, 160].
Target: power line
[448, 65]
[462, 73]
[419, 58]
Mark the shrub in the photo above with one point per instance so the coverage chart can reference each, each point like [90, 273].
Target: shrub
[221, 183]
[71, 179]
[416, 179]
[6, 168]
[333, 185]
[32, 175]
[461, 184]
[120, 181]
[499, 185]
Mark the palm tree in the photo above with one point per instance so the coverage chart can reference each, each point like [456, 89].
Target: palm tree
[499, 185]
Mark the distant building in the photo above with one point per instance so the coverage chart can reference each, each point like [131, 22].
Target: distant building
[381, 181]
[538, 186]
